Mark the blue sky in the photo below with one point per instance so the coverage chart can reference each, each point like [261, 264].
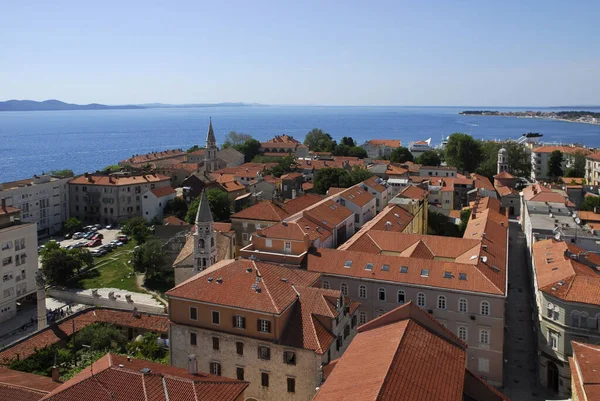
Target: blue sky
[513, 53]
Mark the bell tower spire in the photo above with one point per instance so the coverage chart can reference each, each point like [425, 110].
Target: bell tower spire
[210, 154]
[205, 241]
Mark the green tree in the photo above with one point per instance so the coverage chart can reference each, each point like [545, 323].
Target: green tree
[58, 264]
[284, 165]
[348, 141]
[73, 224]
[465, 215]
[219, 206]
[138, 228]
[591, 203]
[338, 177]
[519, 159]
[149, 258]
[193, 149]
[555, 164]
[463, 152]
[83, 256]
[176, 207]
[439, 225]
[100, 337]
[234, 139]
[353, 151]
[578, 169]
[401, 155]
[147, 348]
[111, 168]
[429, 158]
[250, 149]
[62, 173]
[319, 141]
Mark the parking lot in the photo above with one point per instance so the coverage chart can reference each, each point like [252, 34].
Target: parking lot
[108, 235]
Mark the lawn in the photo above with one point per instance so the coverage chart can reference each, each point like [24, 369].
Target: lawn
[112, 271]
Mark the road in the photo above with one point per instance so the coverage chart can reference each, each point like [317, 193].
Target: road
[520, 373]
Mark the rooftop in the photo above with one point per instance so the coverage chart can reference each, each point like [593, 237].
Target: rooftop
[277, 211]
[328, 213]
[563, 149]
[413, 192]
[375, 183]
[392, 143]
[117, 179]
[163, 191]
[357, 195]
[21, 386]
[584, 371]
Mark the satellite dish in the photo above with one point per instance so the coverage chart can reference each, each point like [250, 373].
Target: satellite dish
[577, 220]
[557, 236]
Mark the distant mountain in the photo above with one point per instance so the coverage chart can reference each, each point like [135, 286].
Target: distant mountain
[32, 105]
[224, 104]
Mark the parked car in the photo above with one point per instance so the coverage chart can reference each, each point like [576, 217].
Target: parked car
[107, 248]
[97, 236]
[123, 238]
[98, 252]
[98, 226]
[94, 243]
[109, 227]
[77, 235]
[116, 242]
[68, 235]
[88, 235]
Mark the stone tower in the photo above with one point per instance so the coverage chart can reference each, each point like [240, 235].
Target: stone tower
[502, 161]
[205, 240]
[210, 154]
[40, 284]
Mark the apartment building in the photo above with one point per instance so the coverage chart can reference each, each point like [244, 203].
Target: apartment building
[460, 281]
[111, 198]
[18, 253]
[137, 161]
[380, 148]
[380, 190]
[415, 201]
[565, 282]
[592, 168]
[262, 323]
[360, 202]
[541, 155]
[154, 202]
[43, 200]
[437, 171]
[584, 377]
[418, 355]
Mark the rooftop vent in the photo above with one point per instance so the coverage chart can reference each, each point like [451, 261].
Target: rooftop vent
[448, 275]
[284, 279]
[248, 270]
[495, 268]
[210, 279]
[484, 259]
[462, 276]
[424, 272]
[220, 280]
[348, 263]
[484, 247]
[369, 266]
[385, 268]
[403, 269]
[145, 370]
[561, 282]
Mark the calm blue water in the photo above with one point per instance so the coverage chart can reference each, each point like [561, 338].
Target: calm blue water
[32, 142]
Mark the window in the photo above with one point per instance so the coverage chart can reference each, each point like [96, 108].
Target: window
[348, 263]
[344, 289]
[385, 268]
[269, 243]
[193, 313]
[244, 237]
[216, 317]
[326, 285]
[381, 294]
[354, 320]
[346, 331]
[289, 357]
[193, 339]
[356, 218]
[421, 301]
[239, 372]
[403, 269]
[7, 261]
[362, 318]
[553, 340]
[424, 272]
[575, 319]
[239, 348]
[264, 326]
[264, 352]
[484, 336]
[485, 308]
[550, 310]
[239, 322]
[463, 333]
[215, 341]
[264, 379]
[441, 304]
[463, 305]
[484, 365]
[291, 385]
[401, 297]
[362, 292]
[369, 266]
[215, 368]
[338, 343]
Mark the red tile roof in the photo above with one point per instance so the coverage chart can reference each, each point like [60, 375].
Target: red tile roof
[503, 190]
[115, 377]
[222, 227]
[163, 191]
[561, 275]
[271, 211]
[480, 181]
[505, 175]
[392, 143]
[375, 183]
[397, 216]
[232, 186]
[408, 357]
[540, 193]
[291, 176]
[153, 156]
[9, 210]
[563, 149]
[413, 192]
[283, 139]
[274, 295]
[594, 156]
[174, 221]
[114, 180]
[584, 371]
[357, 195]
[21, 386]
[588, 216]
[328, 213]
[53, 334]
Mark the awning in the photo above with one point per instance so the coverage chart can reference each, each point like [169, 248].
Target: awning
[243, 196]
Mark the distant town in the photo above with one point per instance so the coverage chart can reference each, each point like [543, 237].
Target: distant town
[586, 117]
[288, 270]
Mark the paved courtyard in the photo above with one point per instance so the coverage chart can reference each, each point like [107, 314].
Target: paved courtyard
[520, 374]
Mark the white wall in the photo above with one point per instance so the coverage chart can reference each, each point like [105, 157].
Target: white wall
[153, 207]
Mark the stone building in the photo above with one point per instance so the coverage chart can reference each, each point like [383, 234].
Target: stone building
[262, 323]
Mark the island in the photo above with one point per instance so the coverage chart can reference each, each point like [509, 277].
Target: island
[53, 105]
[586, 117]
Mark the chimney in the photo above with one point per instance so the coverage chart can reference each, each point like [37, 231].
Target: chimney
[192, 364]
[55, 374]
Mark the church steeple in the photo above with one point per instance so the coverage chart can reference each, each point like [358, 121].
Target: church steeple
[210, 154]
[205, 240]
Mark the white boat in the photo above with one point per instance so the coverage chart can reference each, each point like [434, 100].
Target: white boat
[419, 147]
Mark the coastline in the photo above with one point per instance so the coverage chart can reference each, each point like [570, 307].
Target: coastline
[531, 118]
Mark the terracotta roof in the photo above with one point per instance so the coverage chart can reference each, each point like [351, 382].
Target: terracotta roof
[337, 162]
[21, 386]
[274, 295]
[335, 190]
[279, 145]
[307, 186]
[505, 175]
[357, 195]
[291, 176]
[588, 216]
[174, 221]
[113, 180]
[503, 190]
[115, 377]
[199, 152]
[375, 183]
[295, 230]
[271, 211]
[540, 193]
[394, 214]
[232, 186]
[594, 156]
[392, 143]
[328, 213]
[53, 334]
[573, 180]
[9, 210]
[480, 181]
[283, 139]
[163, 191]
[222, 227]
[413, 192]
[293, 206]
[408, 357]
[563, 149]
[584, 371]
[561, 275]
[153, 156]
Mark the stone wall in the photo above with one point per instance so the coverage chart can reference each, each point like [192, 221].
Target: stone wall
[143, 302]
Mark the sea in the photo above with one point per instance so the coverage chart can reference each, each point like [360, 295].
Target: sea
[85, 141]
